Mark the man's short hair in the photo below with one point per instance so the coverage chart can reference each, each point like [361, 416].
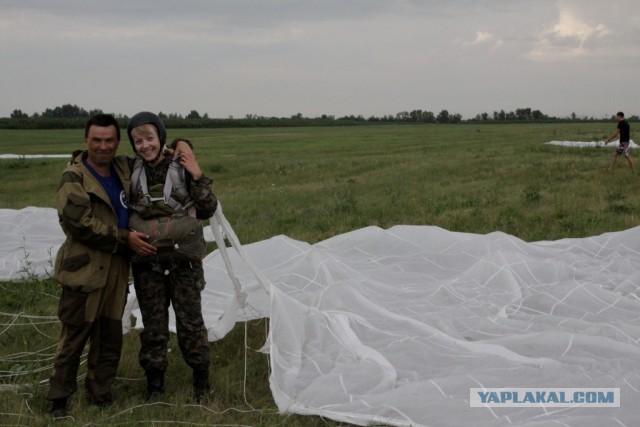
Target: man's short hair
[620, 113]
[102, 120]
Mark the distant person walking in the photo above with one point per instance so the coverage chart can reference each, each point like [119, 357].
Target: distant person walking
[624, 131]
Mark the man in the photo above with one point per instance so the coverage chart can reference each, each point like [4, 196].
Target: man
[92, 265]
[624, 130]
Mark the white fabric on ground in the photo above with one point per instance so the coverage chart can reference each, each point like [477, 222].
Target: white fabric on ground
[587, 144]
[395, 326]
[35, 156]
[30, 240]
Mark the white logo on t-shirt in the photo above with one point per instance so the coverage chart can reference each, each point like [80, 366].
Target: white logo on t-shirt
[123, 199]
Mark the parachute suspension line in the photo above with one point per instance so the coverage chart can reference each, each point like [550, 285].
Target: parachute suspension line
[221, 229]
[267, 323]
[246, 360]
[219, 226]
[216, 228]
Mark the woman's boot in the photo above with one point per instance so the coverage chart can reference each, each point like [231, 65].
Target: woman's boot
[155, 383]
[200, 384]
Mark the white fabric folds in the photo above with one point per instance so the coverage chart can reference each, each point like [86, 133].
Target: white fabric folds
[396, 326]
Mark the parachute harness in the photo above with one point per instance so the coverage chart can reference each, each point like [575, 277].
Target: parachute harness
[175, 181]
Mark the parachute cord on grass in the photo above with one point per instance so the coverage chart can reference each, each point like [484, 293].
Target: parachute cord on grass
[266, 334]
[11, 323]
[27, 399]
[51, 319]
[24, 358]
[246, 360]
[128, 412]
[23, 373]
[15, 317]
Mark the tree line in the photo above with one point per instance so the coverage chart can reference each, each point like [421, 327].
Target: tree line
[73, 116]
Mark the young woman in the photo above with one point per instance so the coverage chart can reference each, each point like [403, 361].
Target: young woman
[170, 214]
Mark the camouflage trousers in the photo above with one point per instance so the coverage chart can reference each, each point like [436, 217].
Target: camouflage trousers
[94, 317]
[157, 288]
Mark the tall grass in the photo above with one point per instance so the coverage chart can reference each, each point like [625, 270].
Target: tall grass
[311, 184]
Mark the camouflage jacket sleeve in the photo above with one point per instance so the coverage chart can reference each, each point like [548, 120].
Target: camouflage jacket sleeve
[86, 216]
[204, 199]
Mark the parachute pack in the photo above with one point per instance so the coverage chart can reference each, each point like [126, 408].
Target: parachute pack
[177, 234]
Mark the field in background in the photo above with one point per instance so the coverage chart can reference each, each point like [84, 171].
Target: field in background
[311, 184]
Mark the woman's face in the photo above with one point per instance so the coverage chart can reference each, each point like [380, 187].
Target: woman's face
[147, 143]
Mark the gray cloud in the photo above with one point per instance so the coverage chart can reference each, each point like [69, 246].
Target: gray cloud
[272, 57]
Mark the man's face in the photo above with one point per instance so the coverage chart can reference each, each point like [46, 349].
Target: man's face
[102, 143]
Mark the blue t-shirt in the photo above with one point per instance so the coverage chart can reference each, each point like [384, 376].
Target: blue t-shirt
[115, 191]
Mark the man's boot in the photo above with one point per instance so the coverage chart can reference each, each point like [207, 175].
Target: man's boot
[59, 408]
[200, 384]
[155, 383]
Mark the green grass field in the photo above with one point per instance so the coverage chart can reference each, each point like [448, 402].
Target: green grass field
[311, 184]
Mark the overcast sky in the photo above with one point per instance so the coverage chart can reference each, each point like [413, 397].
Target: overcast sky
[335, 57]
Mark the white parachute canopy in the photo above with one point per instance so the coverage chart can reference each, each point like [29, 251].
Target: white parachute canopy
[397, 326]
[590, 144]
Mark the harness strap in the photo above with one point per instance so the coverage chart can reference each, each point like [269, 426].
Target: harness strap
[175, 174]
[136, 176]
[175, 181]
